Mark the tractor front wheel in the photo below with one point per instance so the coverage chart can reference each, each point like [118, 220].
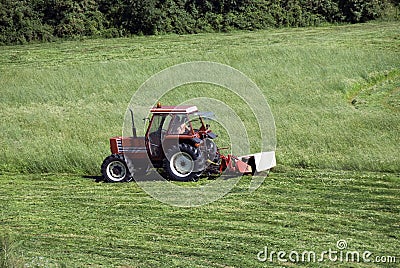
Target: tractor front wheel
[114, 169]
[180, 163]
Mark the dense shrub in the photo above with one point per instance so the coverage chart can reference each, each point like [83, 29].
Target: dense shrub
[21, 22]
[24, 21]
[361, 11]
[73, 18]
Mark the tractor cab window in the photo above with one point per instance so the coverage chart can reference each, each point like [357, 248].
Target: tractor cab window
[156, 123]
[156, 130]
[167, 123]
[156, 134]
[195, 121]
[179, 125]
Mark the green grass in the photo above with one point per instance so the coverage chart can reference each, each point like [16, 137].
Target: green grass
[74, 222]
[334, 93]
[62, 101]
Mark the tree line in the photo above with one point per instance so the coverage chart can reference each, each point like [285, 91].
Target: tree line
[24, 21]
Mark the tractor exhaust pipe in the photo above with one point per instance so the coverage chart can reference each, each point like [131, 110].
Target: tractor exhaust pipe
[133, 124]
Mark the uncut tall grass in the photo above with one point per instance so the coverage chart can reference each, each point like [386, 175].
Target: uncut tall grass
[60, 102]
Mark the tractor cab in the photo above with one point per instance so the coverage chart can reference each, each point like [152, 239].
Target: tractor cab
[171, 125]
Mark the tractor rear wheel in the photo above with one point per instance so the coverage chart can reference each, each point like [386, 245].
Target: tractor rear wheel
[180, 163]
[114, 169]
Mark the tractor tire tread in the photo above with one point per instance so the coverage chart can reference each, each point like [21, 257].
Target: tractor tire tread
[183, 147]
[107, 161]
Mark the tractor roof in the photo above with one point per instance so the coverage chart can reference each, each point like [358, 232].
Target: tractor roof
[174, 109]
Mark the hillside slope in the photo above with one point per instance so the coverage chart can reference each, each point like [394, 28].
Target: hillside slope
[333, 92]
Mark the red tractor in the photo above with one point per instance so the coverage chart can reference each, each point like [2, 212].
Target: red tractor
[178, 143]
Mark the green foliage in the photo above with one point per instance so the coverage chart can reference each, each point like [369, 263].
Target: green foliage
[43, 20]
[361, 11]
[20, 22]
[73, 18]
[173, 18]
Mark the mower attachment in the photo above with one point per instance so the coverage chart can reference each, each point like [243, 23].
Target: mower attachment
[262, 161]
[248, 164]
[233, 164]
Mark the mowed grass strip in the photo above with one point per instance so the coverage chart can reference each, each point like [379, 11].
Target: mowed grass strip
[72, 221]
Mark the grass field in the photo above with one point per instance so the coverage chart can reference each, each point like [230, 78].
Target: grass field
[68, 220]
[61, 102]
[335, 96]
